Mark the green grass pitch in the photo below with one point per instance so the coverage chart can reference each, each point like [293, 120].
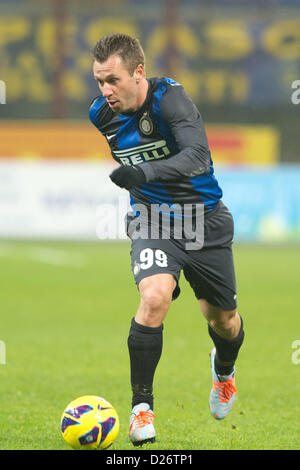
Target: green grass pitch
[65, 315]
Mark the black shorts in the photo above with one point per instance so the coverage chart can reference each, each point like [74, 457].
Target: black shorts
[209, 270]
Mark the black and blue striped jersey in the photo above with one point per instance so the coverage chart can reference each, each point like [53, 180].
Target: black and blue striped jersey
[167, 139]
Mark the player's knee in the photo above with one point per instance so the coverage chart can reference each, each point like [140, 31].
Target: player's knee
[154, 305]
[155, 299]
[156, 296]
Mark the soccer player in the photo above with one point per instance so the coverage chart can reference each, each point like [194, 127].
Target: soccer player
[156, 134]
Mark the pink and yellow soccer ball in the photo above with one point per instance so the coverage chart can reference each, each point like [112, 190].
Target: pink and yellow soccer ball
[90, 422]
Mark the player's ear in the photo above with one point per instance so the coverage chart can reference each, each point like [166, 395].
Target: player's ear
[139, 73]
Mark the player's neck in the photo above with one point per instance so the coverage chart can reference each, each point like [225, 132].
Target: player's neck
[144, 85]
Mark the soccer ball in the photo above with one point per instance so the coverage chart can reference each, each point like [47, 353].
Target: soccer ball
[90, 422]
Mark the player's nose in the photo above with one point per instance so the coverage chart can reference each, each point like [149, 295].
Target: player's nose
[106, 91]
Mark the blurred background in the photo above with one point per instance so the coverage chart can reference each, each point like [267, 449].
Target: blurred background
[238, 60]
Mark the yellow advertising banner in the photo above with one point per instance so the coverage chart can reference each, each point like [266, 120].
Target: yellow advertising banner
[230, 144]
[52, 139]
[234, 144]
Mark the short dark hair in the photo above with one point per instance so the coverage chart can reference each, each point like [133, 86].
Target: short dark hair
[127, 47]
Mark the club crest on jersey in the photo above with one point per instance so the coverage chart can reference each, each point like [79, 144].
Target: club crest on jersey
[146, 125]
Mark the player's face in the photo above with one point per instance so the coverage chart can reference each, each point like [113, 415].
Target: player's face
[121, 90]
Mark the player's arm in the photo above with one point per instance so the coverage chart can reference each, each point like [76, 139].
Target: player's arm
[193, 158]
[185, 122]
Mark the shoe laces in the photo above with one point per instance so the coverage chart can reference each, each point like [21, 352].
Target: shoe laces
[225, 390]
[143, 418]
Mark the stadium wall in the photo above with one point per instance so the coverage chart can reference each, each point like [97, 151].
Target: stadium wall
[75, 200]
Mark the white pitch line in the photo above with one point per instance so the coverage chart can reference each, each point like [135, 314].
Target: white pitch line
[43, 255]
[54, 256]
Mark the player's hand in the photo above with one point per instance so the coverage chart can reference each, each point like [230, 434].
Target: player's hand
[128, 176]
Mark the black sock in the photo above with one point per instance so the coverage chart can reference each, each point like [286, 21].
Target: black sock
[145, 348]
[226, 350]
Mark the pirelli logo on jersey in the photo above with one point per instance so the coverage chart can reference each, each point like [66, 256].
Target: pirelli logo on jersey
[143, 153]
